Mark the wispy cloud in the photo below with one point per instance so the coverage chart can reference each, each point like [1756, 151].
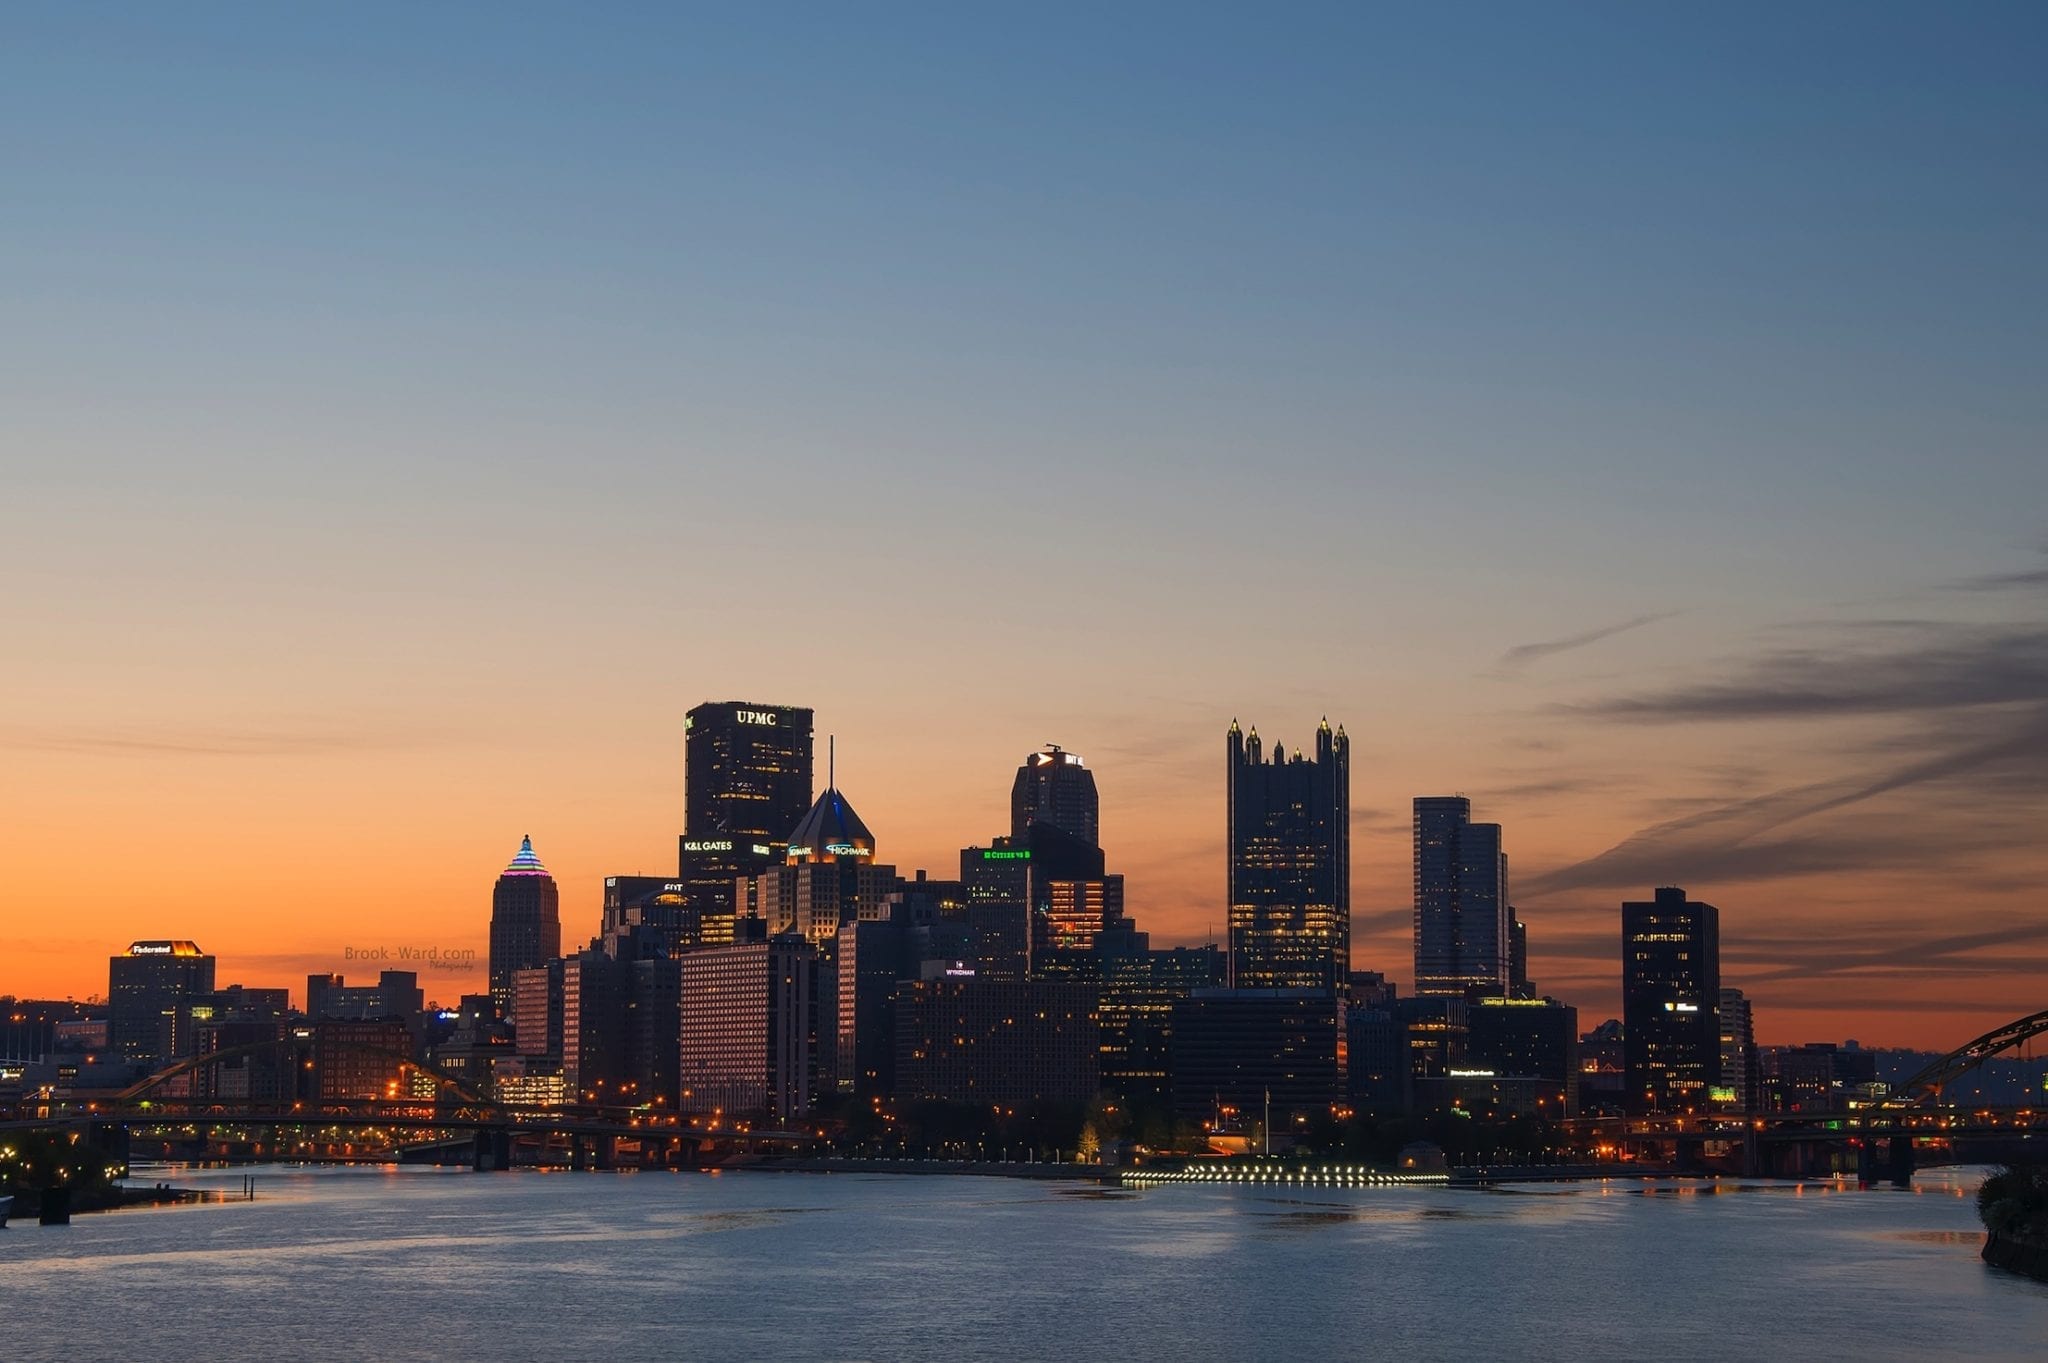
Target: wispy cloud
[1523, 656]
[2003, 582]
[1918, 665]
[1967, 703]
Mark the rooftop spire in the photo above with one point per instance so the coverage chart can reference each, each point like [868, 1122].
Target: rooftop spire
[526, 863]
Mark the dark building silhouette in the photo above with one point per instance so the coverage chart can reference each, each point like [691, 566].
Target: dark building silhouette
[526, 922]
[1016, 886]
[1437, 1026]
[396, 994]
[1741, 1075]
[1289, 863]
[746, 784]
[664, 905]
[1378, 1070]
[964, 1039]
[1236, 1049]
[1463, 940]
[150, 994]
[1053, 786]
[1139, 988]
[1670, 1002]
[356, 1059]
[1519, 1038]
[1519, 985]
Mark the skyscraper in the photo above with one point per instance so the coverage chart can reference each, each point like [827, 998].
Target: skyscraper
[828, 877]
[1054, 787]
[526, 922]
[1011, 886]
[1463, 941]
[1289, 867]
[150, 993]
[746, 784]
[1671, 1002]
[745, 1030]
[1739, 1069]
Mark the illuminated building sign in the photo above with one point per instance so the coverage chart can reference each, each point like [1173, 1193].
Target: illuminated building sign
[847, 849]
[768, 717]
[1007, 854]
[762, 849]
[1474, 1074]
[163, 949]
[1681, 1008]
[709, 845]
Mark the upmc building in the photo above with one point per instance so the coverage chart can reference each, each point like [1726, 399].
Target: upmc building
[746, 785]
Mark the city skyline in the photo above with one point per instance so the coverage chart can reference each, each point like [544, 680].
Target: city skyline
[1592, 981]
[1627, 418]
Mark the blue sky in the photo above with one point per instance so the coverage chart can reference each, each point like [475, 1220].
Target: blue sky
[1107, 371]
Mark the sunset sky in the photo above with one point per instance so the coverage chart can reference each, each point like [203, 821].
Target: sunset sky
[1630, 417]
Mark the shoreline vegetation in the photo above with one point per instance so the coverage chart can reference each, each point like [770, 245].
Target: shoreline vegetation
[2013, 1205]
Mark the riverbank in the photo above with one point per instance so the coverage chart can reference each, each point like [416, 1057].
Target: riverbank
[2017, 1254]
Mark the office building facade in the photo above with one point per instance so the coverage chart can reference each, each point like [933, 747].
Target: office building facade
[526, 922]
[151, 991]
[1671, 1002]
[1464, 942]
[1054, 786]
[745, 1029]
[1741, 1076]
[1235, 1051]
[964, 1039]
[746, 783]
[1289, 862]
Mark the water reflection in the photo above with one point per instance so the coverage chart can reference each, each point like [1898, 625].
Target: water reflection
[348, 1264]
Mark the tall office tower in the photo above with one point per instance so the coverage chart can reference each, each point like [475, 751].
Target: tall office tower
[662, 905]
[150, 994]
[1054, 787]
[1139, 987]
[746, 1030]
[537, 1010]
[1463, 942]
[1670, 1002]
[526, 922]
[746, 784]
[593, 1027]
[1518, 957]
[1739, 1069]
[1289, 872]
[828, 877]
[1011, 889]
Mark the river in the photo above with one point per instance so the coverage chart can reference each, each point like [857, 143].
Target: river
[387, 1263]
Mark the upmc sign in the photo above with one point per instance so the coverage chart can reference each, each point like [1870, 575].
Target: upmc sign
[768, 717]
